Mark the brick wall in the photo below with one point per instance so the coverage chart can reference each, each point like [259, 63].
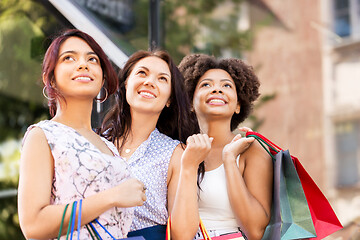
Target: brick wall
[287, 56]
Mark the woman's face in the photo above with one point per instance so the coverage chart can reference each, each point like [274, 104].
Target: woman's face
[78, 73]
[148, 87]
[215, 95]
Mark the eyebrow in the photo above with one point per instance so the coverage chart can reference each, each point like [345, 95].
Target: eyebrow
[149, 70]
[75, 52]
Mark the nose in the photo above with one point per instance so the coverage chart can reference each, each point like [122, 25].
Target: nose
[83, 64]
[216, 90]
[149, 81]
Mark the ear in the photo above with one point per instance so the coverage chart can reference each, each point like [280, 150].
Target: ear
[168, 103]
[43, 78]
[237, 110]
[125, 84]
[52, 83]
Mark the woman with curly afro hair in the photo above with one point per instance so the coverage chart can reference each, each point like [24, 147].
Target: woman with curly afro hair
[233, 187]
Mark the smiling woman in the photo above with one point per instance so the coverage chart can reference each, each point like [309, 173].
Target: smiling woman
[78, 73]
[147, 124]
[63, 160]
[234, 173]
[148, 87]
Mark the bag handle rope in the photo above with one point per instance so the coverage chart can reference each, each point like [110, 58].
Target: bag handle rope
[94, 234]
[203, 230]
[264, 141]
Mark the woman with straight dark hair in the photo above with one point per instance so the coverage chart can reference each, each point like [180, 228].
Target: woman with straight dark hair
[148, 123]
[63, 160]
[235, 178]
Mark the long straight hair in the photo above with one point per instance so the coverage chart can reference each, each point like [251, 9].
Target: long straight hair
[174, 121]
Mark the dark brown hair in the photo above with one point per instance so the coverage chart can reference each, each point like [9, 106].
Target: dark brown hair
[194, 66]
[51, 58]
[174, 121]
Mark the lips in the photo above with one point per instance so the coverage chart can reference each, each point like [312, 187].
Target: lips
[82, 78]
[218, 101]
[147, 94]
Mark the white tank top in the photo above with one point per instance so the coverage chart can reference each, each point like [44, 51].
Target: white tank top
[214, 204]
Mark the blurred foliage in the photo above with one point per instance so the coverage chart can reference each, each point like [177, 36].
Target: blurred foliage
[17, 115]
[9, 221]
[24, 26]
[190, 24]
[187, 25]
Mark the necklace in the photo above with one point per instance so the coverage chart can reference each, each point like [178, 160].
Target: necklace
[127, 150]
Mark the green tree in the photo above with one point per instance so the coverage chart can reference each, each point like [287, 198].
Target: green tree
[24, 26]
[202, 26]
[192, 26]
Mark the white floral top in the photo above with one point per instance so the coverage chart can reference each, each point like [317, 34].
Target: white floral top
[82, 170]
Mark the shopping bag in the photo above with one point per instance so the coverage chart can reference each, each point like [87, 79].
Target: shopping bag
[205, 234]
[71, 226]
[233, 236]
[292, 218]
[94, 234]
[323, 216]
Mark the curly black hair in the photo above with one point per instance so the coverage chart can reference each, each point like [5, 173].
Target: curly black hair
[247, 84]
[194, 66]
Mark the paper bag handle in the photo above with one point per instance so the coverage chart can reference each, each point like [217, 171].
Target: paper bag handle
[205, 234]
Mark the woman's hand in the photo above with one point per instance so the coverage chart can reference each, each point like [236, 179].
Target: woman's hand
[197, 148]
[245, 129]
[129, 193]
[237, 146]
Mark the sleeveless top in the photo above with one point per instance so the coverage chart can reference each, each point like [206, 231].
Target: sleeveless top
[149, 163]
[214, 205]
[82, 170]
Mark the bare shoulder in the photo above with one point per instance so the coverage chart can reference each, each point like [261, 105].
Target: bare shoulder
[257, 155]
[175, 160]
[35, 135]
[35, 145]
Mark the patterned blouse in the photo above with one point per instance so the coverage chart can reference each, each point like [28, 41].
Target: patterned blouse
[82, 170]
[149, 163]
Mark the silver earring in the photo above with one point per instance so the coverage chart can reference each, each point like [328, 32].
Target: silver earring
[44, 93]
[99, 100]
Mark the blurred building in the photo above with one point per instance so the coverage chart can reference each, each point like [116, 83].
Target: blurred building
[307, 53]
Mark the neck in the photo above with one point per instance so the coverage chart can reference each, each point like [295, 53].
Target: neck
[219, 129]
[141, 127]
[75, 114]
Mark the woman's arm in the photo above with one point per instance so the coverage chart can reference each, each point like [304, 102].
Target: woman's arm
[182, 187]
[250, 193]
[38, 218]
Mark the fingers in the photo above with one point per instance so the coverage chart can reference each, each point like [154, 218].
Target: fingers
[250, 139]
[197, 148]
[200, 140]
[237, 137]
[143, 198]
[245, 129]
[142, 189]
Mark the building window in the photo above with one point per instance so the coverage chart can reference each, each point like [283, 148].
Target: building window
[342, 18]
[347, 139]
[346, 18]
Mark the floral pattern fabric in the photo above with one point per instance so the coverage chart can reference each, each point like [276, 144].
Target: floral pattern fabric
[82, 170]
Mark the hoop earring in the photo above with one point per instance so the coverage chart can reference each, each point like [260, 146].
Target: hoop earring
[98, 100]
[48, 98]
